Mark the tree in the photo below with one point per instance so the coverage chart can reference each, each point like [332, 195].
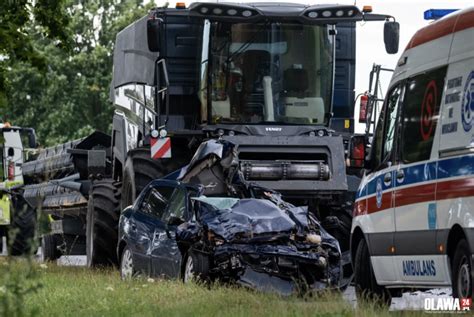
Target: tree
[17, 19]
[71, 99]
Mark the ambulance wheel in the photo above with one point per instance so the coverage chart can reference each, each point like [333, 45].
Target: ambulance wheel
[366, 285]
[461, 271]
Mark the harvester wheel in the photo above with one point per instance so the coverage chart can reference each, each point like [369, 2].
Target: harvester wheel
[49, 247]
[140, 169]
[103, 213]
[23, 228]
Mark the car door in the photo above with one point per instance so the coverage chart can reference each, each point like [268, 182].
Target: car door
[144, 221]
[380, 227]
[166, 257]
[417, 259]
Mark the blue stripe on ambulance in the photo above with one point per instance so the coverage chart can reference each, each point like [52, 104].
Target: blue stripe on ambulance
[425, 172]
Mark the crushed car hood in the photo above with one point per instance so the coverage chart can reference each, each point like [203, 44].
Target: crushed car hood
[248, 219]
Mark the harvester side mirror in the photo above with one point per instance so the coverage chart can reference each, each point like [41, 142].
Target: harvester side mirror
[391, 36]
[32, 139]
[357, 153]
[153, 33]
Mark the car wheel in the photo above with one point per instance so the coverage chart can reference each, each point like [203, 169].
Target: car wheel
[365, 282]
[461, 271]
[127, 269]
[196, 268]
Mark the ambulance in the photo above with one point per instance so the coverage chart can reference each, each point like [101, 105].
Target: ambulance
[413, 224]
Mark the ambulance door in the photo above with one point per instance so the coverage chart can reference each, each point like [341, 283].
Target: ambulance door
[381, 224]
[416, 257]
[456, 146]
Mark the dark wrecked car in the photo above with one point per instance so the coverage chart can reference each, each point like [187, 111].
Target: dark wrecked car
[265, 243]
[210, 224]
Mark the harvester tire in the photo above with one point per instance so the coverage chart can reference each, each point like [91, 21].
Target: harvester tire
[49, 247]
[140, 169]
[23, 228]
[103, 212]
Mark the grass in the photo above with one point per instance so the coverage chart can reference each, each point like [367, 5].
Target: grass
[75, 291]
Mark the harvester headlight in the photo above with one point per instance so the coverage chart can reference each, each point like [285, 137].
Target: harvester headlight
[339, 13]
[231, 12]
[204, 10]
[327, 13]
[313, 14]
[217, 11]
[163, 133]
[246, 13]
[350, 12]
[154, 134]
[321, 133]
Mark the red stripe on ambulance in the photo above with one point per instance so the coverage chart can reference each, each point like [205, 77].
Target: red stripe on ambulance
[449, 189]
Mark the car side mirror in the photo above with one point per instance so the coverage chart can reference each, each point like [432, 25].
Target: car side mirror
[357, 153]
[175, 221]
[391, 36]
[153, 33]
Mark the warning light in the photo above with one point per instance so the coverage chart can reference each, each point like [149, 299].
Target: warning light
[180, 5]
[367, 9]
[435, 14]
[392, 249]
[441, 248]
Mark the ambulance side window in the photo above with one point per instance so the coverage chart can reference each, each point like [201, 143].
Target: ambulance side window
[385, 132]
[420, 113]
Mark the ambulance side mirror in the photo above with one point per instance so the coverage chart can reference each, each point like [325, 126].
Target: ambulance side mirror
[391, 36]
[153, 33]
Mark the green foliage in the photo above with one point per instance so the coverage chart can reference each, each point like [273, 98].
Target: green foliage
[77, 291]
[18, 281]
[70, 99]
[18, 19]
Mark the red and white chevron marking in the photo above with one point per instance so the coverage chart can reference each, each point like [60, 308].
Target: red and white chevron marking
[160, 148]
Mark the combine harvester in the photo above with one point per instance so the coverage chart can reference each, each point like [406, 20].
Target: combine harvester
[276, 80]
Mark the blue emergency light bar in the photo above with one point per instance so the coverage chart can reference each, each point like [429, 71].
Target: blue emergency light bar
[435, 14]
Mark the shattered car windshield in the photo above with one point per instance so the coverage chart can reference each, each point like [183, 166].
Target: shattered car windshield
[218, 202]
[270, 72]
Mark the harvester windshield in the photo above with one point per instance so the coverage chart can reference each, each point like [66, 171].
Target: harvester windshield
[270, 72]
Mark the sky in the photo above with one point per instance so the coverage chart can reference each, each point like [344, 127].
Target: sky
[370, 45]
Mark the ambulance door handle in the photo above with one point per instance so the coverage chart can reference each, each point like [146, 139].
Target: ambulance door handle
[387, 179]
[400, 176]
